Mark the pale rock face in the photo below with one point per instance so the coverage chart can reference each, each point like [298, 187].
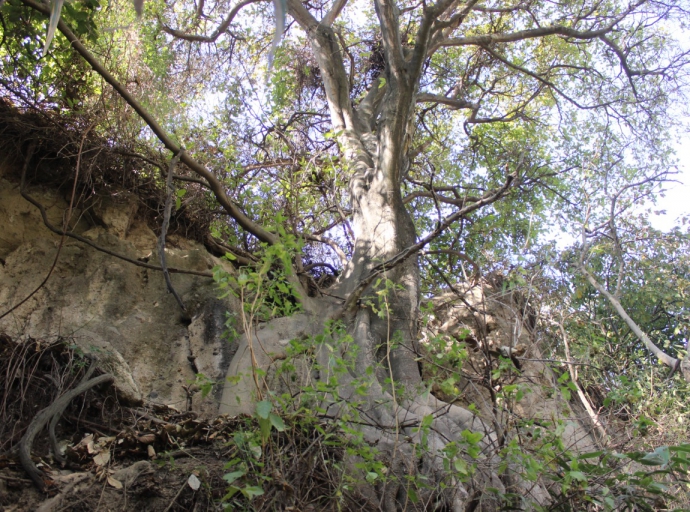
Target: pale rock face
[117, 311]
[20, 221]
[116, 212]
[487, 319]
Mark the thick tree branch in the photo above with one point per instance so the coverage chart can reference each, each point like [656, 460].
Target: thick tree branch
[442, 29]
[329, 57]
[613, 299]
[216, 33]
[451, 102]
[368, 108]
[522, 35]
[387, 12]
[334, 12]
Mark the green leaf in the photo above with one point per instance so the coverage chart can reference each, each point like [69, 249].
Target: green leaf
[265, 426]
[460, 466]
[685, 448]
[472, 437]
[277, 422]
[231, 477]
[658, 457]
[577, 475]
[590, 455]
[232, 490]
[252, 491]
[263, 409]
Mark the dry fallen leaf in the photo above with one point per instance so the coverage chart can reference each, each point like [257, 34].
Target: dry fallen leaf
[147, 438]
[102, 458]
[86, 440]
[194, 482]
[115, 482]
[151, 451]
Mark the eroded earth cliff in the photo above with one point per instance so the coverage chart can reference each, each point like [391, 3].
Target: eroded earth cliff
[120, 312]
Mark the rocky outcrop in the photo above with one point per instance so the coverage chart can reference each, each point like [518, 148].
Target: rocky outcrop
[120, 312]
[267, 349]
[497, 324]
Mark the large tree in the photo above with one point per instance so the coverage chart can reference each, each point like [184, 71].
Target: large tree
[379, 133]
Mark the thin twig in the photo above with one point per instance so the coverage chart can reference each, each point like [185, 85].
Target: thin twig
[176, 496]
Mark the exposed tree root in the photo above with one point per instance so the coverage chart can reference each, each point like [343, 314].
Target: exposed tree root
[54, 504]
[43, 417]
[410, 429]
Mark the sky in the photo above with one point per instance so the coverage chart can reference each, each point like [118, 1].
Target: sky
[677, 199]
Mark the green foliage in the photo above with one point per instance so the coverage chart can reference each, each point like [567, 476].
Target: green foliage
[599, 479]
[61, 78]
[604, 480]
[243, 470]
[265, 290]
